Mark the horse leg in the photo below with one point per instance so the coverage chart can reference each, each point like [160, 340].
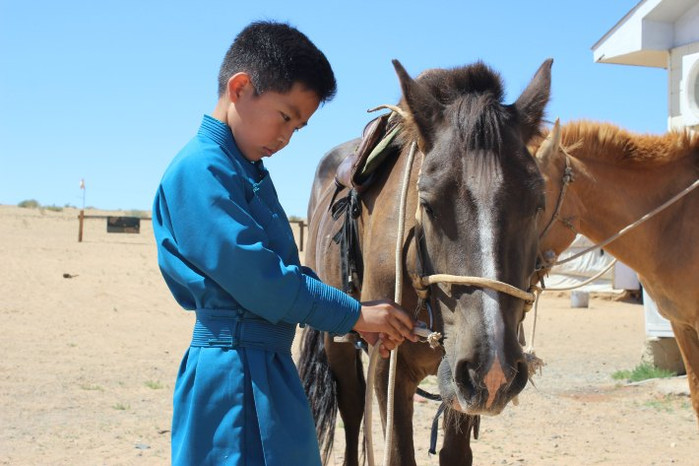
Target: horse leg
[402, 447]
[345, 364]
[456, 449]
[688, 341]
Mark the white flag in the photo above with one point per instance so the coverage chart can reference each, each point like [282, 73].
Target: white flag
[82, 183]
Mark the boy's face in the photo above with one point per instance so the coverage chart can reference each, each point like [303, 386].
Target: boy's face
[263, 124]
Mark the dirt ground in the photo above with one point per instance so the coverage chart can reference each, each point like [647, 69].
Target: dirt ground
[92, 341]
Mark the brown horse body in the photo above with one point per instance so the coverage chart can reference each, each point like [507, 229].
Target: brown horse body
[477, 191]
[617, 178]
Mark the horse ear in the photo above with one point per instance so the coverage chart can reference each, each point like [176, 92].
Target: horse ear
[549, 148]
[422, 106]
[530, 105]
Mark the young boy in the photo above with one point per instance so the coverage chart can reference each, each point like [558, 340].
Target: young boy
[226, 250]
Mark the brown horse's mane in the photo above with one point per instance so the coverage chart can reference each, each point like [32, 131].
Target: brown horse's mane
[597, 140]
[479, 92]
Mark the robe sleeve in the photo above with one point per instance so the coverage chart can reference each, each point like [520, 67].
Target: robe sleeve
[310, 272]
[203, 205]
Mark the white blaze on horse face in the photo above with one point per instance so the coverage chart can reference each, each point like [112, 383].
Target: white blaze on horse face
[486, 198]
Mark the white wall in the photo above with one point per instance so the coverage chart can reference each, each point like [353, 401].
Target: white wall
[675, 74]
[687, 27]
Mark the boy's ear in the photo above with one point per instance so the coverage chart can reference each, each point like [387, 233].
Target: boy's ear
[237, 85]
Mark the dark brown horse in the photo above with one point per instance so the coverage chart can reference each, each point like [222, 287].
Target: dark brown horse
[477, 192]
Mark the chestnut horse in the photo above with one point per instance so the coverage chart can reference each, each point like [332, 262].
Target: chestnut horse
[618, 177]
[477, 192]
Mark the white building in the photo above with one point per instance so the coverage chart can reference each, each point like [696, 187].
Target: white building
[661, 34]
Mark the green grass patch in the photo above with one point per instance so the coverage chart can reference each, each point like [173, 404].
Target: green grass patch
[154, 384]
[91, 387]
[121, 407]
[643, 371]
[665, 404]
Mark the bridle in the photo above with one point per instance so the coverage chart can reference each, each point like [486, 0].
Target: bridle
[546, 259]
[566, 179]
[422, 282]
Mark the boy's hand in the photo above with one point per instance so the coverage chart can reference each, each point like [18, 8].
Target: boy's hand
[385, 345]
[384, 322]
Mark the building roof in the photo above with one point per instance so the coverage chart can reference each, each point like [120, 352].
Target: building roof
[648, 32]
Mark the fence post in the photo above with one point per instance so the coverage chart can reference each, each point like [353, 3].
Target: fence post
[80, 227]
[301, 225]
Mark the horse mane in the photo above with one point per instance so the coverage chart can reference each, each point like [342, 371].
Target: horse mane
[598, 140]
[472, 98]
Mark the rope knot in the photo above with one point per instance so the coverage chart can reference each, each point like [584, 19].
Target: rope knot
[422, 291]
[568, 175]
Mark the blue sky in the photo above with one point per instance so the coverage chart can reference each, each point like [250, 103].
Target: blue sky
[109, 91]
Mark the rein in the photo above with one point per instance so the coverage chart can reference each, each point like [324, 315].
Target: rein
[373, 357]
[633, 225]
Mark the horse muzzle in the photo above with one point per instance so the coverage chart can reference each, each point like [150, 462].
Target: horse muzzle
[472, 391]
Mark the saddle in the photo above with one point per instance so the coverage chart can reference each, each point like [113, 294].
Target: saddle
[356, 170]
[355, 174]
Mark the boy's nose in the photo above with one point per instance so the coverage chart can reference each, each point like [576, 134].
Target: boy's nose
[285, 137]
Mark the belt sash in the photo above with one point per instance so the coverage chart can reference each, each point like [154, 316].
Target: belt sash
[234, 328]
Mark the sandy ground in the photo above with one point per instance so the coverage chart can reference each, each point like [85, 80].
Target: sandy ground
[88, 364]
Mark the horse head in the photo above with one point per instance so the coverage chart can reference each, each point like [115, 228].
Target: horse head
[558, 225]
[479, 192]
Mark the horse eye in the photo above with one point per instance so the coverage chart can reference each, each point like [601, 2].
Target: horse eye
[425, 205]
[541, 206]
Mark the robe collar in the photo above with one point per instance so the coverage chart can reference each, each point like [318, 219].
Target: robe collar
[221, 134]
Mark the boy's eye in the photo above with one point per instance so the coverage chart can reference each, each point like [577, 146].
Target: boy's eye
[285, 117]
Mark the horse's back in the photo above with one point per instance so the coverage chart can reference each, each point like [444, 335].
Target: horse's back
[326, 170]
[321, 225]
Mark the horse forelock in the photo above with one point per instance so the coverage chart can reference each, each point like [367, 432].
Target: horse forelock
[480, 121]
[472, 100]
[597, 140]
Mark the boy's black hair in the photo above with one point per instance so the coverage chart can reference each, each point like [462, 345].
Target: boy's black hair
[277, 55]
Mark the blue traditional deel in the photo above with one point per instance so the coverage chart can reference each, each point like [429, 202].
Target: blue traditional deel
[226, 251]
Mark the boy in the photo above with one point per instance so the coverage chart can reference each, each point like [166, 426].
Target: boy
[226, 250]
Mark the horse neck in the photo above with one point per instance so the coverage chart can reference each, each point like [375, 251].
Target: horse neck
[380, 216]
[613, 195]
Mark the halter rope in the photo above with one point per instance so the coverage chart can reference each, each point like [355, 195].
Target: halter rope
[373, 357]
[481, 282]
[638, 222]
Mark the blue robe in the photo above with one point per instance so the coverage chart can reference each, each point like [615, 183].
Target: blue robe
[226, 251]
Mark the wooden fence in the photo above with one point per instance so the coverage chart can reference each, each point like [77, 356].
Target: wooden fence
[126, 224]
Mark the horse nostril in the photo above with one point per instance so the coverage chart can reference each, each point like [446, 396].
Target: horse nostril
[464, 376]
[521, 377]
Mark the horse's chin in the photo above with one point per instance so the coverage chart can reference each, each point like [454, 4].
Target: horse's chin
[475, 410]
